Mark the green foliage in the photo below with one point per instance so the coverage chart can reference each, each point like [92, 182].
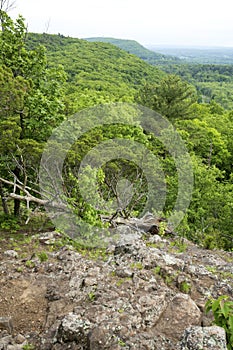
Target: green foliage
[159, 245]
[31, 105]
[185, 287]
[206, 142]
[162, 228]
[211, 269]
[172, 97]
[19, 269]
[91, 296]
[122, 281]
[179, 244]
[109, 188]
[32, 91]
[137, 49]
[30, 264]
[210, 212]
[168, 279]
[28, 347]
[121, 311]
[213, 81]
[9, 223]
[137, 265]
[222, 309]
[43, 256]
[121, 343]
[97, 72]
[157, 270]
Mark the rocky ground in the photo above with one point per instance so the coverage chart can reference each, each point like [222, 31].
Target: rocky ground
[143, 292]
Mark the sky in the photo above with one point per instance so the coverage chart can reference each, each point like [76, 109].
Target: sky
[150, 22]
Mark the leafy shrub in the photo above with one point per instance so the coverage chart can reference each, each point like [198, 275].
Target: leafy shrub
[222, 310]
[9, 223]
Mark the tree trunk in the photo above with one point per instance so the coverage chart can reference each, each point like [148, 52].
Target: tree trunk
[17, 202]
[17, 191]
[3, 199]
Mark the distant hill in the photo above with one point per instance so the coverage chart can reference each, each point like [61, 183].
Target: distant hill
[80, 55]
[100, 72]
[137, 49]
[96, 67]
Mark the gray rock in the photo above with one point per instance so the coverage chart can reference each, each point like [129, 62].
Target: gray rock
[104, 337]
[49, 238]
[127, 235]
[204, 338]
[73, 329]
[14, 347]
[131, 299]
[6, 324]
[11, 253]
[19, 339]
[4, 341]
[124, 272]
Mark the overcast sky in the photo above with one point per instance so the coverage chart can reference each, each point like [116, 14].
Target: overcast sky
[159, 22]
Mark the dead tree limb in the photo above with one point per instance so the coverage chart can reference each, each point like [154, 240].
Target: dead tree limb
[28, 197]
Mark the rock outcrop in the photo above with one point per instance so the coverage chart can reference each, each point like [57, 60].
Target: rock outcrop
[204, 338]
[144, 292]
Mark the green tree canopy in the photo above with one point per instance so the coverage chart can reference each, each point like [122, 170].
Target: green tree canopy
[31, 103]
[172, 97]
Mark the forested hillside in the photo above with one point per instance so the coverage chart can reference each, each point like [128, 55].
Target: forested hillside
[213, 81]
[45, 79]
[137, 49]
[210, 70]
[104, 72]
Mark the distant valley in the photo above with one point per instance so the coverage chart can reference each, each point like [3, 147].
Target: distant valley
[214, 55]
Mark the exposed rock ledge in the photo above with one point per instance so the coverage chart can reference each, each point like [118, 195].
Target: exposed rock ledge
[147, 294]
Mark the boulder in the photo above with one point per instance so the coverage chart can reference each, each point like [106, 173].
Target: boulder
[73, 329]
[204, 338]
[181, 312]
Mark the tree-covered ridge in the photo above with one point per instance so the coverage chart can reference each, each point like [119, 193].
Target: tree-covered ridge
[137, 49]
[97, 72]
[210, 72]
[95, 61]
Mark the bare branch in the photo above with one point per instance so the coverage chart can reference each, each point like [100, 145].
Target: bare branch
[7, 5]
[28, 197]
